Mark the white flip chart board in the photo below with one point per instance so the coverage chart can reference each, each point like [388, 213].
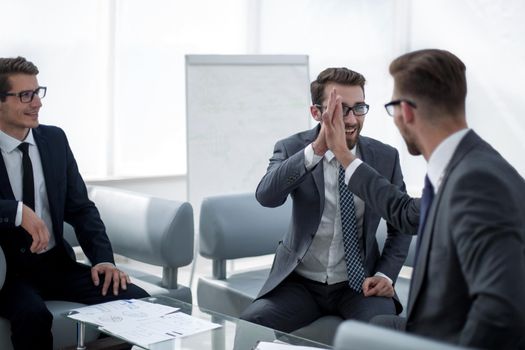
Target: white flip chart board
[237, 107]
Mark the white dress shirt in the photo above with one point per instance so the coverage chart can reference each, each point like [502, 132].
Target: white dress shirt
[441, 156]
[324, 260]
[13, 163]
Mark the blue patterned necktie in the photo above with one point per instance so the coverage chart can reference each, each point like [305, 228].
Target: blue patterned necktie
[354, 265]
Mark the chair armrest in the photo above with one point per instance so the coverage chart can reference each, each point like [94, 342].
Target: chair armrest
[354, 335]
[3, 268]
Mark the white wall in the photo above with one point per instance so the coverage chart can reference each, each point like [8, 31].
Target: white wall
[115, 68]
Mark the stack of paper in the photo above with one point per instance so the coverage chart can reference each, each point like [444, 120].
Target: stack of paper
[140, 322]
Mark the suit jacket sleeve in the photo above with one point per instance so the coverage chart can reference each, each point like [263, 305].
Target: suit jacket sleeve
[394, 205]
[8, 210]
[397, 242]
[285, 172]
[488, 235]
[82, 214]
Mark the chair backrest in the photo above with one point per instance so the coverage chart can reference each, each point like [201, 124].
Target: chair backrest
[152, 230]
[237, 226]
[354, 335]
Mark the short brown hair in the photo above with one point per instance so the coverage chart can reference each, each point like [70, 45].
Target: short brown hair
[343, 76]
[11, 66]
[436, 76]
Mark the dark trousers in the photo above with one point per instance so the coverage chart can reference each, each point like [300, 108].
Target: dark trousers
[52, 276]
[298, 301]
[390, 321]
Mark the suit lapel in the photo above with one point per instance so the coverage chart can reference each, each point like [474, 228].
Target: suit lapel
[317, 172]
[468, 142]
[367, 155]
[47, 167]
[5, 184]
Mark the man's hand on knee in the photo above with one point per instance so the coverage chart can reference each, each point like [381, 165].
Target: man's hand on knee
[377, 286]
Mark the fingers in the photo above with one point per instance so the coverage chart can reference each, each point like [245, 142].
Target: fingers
[112, 276]
[377, 286]
[36, 228]
[108, 277]
[94, 276]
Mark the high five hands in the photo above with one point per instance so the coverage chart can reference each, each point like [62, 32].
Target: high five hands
[333, 130]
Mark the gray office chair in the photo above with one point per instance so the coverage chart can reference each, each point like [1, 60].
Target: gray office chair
[355, 335]
[237, 226]
[151, 230]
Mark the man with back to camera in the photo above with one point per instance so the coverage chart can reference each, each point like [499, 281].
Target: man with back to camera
[468, 283]
[40, 188]
[314, 273]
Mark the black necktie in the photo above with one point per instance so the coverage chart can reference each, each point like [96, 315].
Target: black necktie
[28, 184]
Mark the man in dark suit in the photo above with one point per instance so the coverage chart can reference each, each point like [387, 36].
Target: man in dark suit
[468, 284]
[40, 188]
[329, 262]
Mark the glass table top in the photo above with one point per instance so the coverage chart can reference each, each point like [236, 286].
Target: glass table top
[233, 334]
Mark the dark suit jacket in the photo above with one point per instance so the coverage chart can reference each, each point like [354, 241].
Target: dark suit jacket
[68, 201]
[469, 282]
[287, 175]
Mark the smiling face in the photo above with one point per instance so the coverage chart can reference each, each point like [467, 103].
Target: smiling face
[351, 95]
[16, 117]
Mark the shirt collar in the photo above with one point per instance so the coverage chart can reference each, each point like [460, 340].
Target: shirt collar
[441, 156]
[329, 155]
[9, 143]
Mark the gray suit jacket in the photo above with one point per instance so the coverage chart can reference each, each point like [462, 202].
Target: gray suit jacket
[287, 175]
[469, 282]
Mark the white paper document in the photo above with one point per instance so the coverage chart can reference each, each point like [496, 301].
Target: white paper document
[140, 322]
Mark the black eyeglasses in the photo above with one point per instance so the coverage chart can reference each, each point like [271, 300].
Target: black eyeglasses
[359, 109]
[390, 105]
[28, 95]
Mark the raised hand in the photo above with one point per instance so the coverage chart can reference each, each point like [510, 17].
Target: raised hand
[335, 129]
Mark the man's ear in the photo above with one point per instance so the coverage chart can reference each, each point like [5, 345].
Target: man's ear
[408, 113]
[316, 113]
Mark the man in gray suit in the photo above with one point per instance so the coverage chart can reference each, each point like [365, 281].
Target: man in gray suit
[314, 273]
[468, 284]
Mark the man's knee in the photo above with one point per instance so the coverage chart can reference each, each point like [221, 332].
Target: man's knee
[260, 313]
[134, 292]
[251, 314]
[372, 308]
[389, 321]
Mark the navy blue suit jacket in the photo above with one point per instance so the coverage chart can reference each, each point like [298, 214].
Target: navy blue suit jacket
[68, 201]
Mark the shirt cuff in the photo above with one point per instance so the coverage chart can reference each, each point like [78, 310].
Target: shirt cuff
[18, 217]
[310, 158]
[350, 170]
[105, 263]
[380, 274]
